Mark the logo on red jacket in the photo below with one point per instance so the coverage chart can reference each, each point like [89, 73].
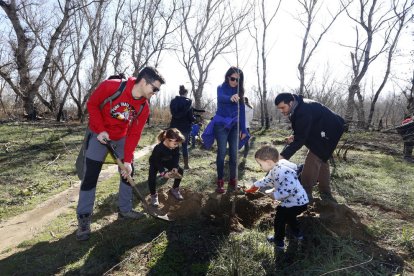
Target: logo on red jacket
[123, 112]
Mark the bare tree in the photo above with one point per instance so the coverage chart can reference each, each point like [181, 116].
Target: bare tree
[206, 31]
[376, 21]
[21, 70]
[150, 23]
[69, 64]
[311, 42]
[101, 33]
[2, 86]
[402, 17]
[260, 12]
[409, 96]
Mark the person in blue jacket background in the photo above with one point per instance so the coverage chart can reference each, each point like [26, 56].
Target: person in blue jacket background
[229, 118]
[194, 133]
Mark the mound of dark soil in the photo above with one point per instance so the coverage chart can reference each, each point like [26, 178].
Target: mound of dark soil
[338, 219]
[247, 210]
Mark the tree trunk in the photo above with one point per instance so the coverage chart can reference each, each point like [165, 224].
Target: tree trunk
[29, 108]
[360, 111]
[198, 94]
[350, 105]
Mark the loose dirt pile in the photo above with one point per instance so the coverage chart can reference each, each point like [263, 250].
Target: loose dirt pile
[247, 210]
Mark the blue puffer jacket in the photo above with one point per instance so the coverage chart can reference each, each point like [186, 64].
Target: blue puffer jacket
[315, 126]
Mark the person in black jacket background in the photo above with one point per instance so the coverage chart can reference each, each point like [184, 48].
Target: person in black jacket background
[319, 129]
[182, 119]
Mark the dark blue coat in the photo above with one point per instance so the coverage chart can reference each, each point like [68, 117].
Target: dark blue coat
[182, 114]
[315, 126]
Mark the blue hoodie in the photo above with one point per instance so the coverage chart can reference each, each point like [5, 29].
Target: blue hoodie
[228, 109]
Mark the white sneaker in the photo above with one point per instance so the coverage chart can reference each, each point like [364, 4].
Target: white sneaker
[176, 193]
[154, 200]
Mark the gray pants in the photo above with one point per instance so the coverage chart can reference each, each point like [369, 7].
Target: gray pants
[94, 158]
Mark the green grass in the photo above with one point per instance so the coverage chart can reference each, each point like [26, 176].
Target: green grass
[37, 161]
[376, 185]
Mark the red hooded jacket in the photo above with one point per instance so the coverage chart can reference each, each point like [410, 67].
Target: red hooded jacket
[120, 117]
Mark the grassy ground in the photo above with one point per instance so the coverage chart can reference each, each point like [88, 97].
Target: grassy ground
[369, 177]
[37, 161]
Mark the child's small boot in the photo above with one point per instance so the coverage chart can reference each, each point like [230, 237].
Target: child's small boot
[176, 193]
[232, 185]
[154, 200]
[220, 185]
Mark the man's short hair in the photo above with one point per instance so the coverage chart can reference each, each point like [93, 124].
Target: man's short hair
[284, 97]
[267, 152]
[150, 74]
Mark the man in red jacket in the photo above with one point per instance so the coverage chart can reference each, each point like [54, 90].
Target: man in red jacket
[120, 120]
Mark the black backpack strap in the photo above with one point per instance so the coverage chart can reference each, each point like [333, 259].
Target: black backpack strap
[117, 93]
[141, 108]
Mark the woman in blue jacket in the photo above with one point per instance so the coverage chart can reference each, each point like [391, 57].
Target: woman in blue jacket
[229, 124]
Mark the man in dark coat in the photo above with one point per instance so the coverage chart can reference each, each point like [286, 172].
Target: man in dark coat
[319, 129]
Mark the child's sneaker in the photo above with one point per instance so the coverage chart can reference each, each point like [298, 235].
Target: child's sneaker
[280, 245]
[154, 200]
[176, 193]
[271, 239]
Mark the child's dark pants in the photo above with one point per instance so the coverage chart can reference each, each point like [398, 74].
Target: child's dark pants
[152, 176]
[285, 215]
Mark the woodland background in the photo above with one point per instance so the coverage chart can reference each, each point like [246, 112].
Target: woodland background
[54, 53]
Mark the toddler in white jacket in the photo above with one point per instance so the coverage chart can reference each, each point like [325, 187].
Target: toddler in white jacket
[287, 189]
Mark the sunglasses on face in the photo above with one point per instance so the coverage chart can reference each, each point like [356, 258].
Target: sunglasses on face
[234, 79]
[154, 88]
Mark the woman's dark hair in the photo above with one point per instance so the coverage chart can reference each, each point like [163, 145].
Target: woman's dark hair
[235, 70]
[171, 133]
[182, 91]
[284, 97]
[267, 152]
[150, 74]
[246, 102]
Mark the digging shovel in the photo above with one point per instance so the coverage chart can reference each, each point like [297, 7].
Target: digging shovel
[147, 209]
